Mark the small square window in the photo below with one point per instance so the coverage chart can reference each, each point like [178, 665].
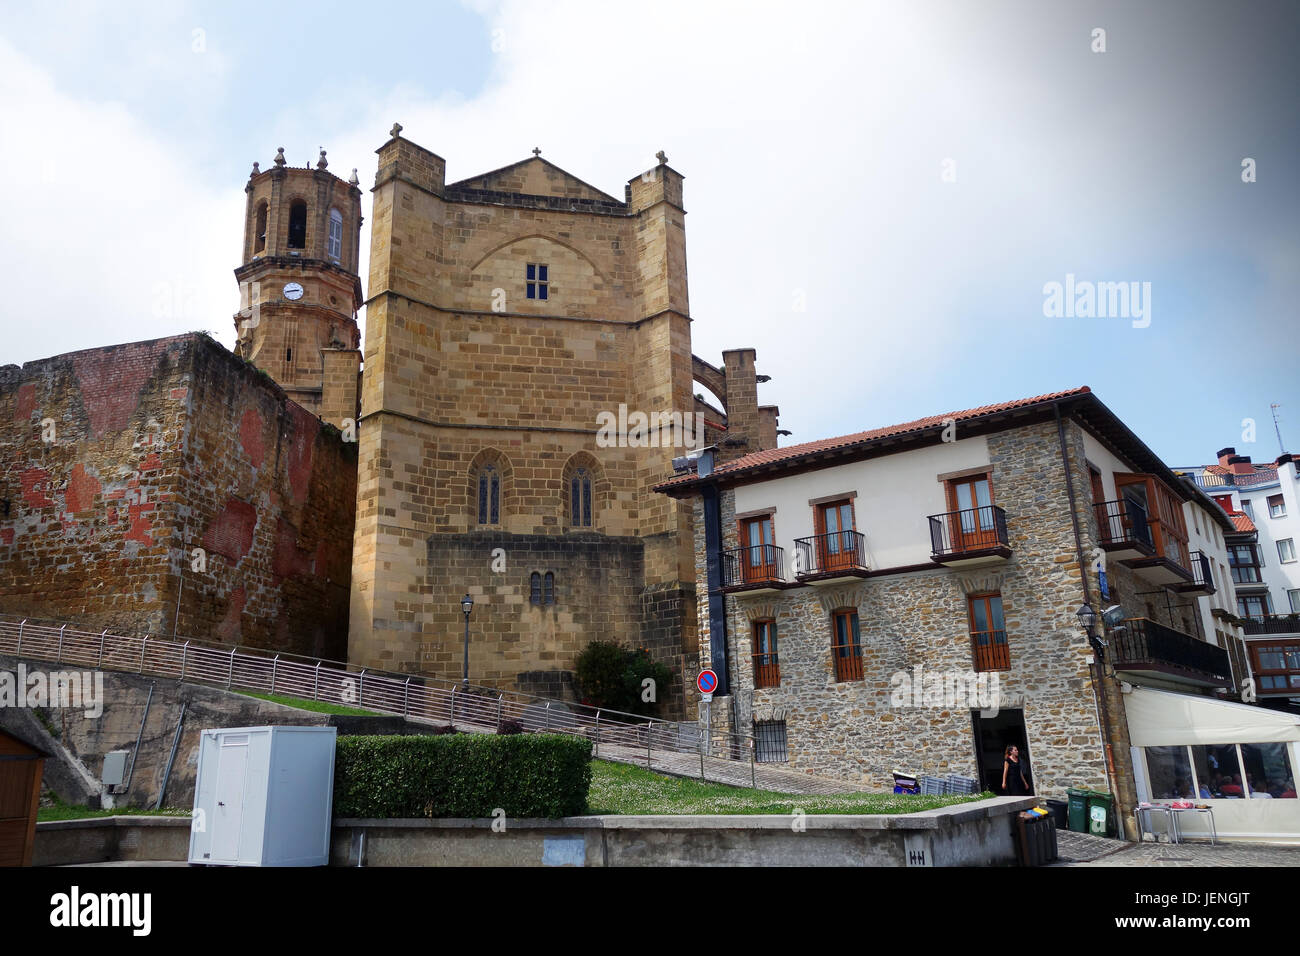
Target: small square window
[536, 285]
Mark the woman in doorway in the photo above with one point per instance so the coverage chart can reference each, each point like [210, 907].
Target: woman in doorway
[1014, 781]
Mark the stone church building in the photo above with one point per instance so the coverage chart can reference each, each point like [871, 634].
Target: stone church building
[526, 378]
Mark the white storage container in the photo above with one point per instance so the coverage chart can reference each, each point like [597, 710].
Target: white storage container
[264, 796]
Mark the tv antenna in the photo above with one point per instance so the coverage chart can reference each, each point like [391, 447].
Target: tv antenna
[1281, 449]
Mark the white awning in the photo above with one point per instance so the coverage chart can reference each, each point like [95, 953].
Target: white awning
[1160, 718]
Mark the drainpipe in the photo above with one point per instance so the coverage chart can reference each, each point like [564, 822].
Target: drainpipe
[711, 499]
[1098, 690]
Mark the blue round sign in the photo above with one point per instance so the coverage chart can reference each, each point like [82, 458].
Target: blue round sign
[707, 682]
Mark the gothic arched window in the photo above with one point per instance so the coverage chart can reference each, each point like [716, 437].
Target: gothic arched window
[298, 225]
[580, 499]
[548, 589]
[335, 251]
[489, 496]
[535, 588]
[259, 229]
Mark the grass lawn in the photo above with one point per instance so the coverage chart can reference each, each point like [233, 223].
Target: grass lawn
[316, 706]
[65, 812]
[624, 789]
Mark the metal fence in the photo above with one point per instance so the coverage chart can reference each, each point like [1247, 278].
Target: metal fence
[410, 696]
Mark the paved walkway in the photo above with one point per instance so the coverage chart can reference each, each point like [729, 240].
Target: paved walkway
[1081, 849]
[734, 772]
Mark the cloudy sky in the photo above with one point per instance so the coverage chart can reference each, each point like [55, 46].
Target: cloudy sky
[878, 193]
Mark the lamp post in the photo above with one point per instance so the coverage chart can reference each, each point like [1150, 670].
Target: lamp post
[466, 605]
[1111, 617]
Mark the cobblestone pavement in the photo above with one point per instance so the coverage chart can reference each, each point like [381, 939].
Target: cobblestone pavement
[1079, 849]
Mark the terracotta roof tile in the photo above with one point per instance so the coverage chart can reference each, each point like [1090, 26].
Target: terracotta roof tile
[1241, 522]
[792, 452]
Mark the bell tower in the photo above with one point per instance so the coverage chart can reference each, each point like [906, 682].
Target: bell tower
[299, 285]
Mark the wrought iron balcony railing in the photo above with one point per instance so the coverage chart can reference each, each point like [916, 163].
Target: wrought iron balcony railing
[757, 566]
[828, 553]
[990, 651]
[1272, 624]
[1123, 523]
[957, 533]
[1146, 645]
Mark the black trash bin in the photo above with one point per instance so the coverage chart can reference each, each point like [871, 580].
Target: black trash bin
[1060, 811]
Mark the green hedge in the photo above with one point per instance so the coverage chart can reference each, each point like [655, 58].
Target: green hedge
[462, 775]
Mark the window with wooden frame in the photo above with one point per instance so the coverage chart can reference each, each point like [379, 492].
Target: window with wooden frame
[1254, 606]
[1276, 506]
[1244, 561]
[846, 645]
[836, 543]
[1164, 514]
[972, 524]
[767, 666]
[758, 561]
[1098, 489]
[988, 632]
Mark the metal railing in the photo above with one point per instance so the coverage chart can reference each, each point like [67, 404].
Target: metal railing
[1146, 642]
[848, 661]
[973, 529]
[767, 670]
[761, 564]
[1272, 624]
[410, 696]
[990, 651]
[1123, 522]
[1202, 576]
[836, 551]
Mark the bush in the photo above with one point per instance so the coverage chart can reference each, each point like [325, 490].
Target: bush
[610, 675]
[510, 727]
[462, 775]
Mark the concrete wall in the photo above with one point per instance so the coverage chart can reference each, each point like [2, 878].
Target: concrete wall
[974, 834]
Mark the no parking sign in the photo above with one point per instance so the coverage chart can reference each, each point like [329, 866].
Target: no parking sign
[707, 683]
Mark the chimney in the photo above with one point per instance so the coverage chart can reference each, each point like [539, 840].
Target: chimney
[1225, 454]
[1240, 465]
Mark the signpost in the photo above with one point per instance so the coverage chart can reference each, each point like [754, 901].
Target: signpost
[706, 683]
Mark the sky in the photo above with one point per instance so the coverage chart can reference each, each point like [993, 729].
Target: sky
[880, 195]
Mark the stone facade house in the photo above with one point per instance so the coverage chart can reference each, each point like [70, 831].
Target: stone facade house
[905, 599]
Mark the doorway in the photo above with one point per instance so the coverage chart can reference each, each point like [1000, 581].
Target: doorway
[992, 736]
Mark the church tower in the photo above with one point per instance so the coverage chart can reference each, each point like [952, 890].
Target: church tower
[299, 285]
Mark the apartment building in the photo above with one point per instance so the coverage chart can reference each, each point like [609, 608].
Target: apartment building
[1263, 502]
[917, 597]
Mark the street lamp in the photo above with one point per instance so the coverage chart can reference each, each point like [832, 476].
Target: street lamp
[466, 605]
[1087, 617]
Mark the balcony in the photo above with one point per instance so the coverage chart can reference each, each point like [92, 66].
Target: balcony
[1122, 529]
[830, 558]
[976, 536]
[1271, 624]
[756, 569]
[989, 650]
[1202, 577]
[1148, 649]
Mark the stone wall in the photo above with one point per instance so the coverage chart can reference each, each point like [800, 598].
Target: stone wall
[169, 487]
[857, 730]
[463, 371]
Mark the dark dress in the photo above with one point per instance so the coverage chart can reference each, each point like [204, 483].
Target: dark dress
[1015, 782]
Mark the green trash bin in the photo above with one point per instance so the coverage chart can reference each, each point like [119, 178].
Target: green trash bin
[1101, 813]
[1078, 808]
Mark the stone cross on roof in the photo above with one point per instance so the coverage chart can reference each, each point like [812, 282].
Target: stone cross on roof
[537, 150]
[662, 157]
[397, 128]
